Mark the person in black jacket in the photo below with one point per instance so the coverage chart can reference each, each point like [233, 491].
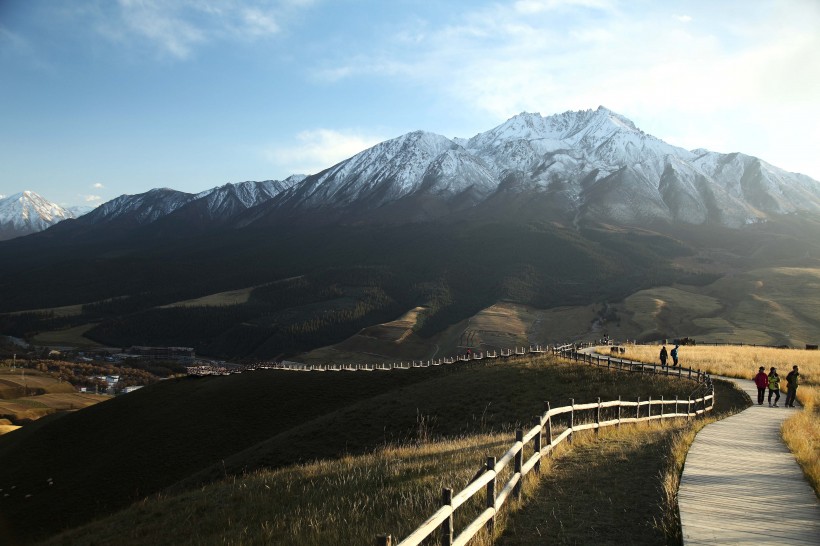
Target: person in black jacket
[792, 380]
[663, 356]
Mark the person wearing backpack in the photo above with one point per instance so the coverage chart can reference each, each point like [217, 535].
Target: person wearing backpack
[792, 380]
[774, 386]
[762, 381]
[674, 355]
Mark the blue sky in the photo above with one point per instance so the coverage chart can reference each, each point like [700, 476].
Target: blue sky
[100, 98]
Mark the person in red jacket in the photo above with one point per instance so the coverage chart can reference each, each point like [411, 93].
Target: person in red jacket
[762, 381]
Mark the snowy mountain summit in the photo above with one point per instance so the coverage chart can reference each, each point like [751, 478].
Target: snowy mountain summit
[590, 164]
[27, 212]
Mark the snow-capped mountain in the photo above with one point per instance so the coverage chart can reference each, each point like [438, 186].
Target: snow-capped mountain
[140, 209]
[214, 206]
[27, 212]
[592, 163]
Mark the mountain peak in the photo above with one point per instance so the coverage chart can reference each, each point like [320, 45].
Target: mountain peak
[28, 212]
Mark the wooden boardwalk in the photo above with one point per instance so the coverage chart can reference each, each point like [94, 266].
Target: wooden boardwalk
[741, 485]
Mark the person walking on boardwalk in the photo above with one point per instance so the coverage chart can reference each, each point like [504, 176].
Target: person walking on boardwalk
[674, 355]
[762, 381]
[663, 356]
[774, 386]
[792, 380]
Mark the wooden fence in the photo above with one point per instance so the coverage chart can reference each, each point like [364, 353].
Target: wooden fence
[543, 439]
[201, 370]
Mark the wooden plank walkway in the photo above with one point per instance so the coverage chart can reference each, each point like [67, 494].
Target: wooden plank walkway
[741, 485]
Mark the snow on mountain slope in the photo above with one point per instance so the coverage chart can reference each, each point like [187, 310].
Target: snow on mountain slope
[456, 171]
[383, 173]
[139, 209]
[224, 202]
[27, 212]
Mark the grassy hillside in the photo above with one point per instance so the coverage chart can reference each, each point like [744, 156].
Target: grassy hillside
[348, 500]
[194, 430]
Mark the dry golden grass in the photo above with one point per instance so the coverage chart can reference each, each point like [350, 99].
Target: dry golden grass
[802, 431]
[736, 361]
[341, 501]
[33, 379]
[35, 407]
[349, 500]
[5, 429]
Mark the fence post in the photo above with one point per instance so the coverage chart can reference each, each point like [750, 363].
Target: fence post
[491, 495]
[662, 406]
[384, 540]
[549, 423]
[649, 407]
[519, 463]
[619, 411]
[690, 373]
[571, 419]
[537, 445]
[638, 409]
[689, 408]
[447, 524]
[676, 404]
[598, 418]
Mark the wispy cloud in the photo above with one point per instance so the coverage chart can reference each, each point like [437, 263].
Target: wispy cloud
[319, 149]
[644, 60]
[178, 27]
[97, 186]
[91, 198]
[553, 54]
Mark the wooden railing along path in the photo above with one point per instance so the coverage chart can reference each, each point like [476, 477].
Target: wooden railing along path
[543, 441]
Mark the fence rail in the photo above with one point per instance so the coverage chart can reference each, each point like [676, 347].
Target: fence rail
[541, 437]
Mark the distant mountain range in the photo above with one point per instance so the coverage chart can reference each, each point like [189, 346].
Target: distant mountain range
[592, 164]
[574, 210]
[26, 212]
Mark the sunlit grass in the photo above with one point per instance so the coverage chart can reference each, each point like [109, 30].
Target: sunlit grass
[801, 432]
[340, 501]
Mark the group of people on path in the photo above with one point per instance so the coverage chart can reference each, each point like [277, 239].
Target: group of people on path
[771, 381]
[673, 354]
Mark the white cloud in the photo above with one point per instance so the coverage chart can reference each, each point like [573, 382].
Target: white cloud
[725, 64]
[91, 198]
[98, 186]
[319, 149]
[178, 27]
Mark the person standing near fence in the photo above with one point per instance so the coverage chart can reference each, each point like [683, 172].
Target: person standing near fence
[792, 380]
[762, 381]
[663, 356]
[774, 386]
[674, 355]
